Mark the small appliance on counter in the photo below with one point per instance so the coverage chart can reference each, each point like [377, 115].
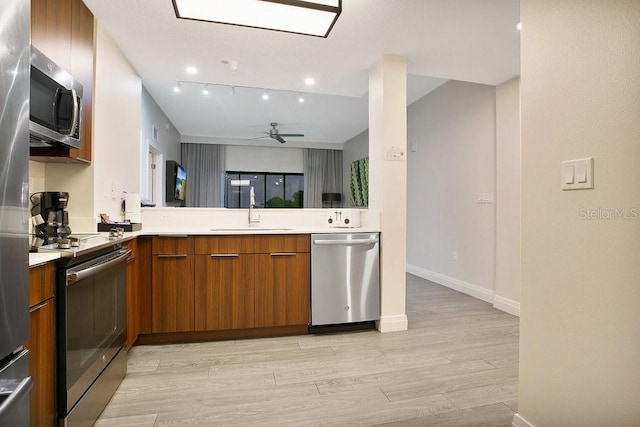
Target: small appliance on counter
[344, 218]
[49, 217]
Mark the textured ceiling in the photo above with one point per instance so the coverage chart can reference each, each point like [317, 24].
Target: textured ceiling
[469, 40]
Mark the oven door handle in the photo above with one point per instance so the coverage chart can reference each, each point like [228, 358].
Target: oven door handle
[16, 394]
[95, 269]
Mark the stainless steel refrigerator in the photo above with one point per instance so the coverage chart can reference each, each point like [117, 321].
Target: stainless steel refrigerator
[15, 382]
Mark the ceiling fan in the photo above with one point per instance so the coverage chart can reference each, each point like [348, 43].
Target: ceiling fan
[274, 134]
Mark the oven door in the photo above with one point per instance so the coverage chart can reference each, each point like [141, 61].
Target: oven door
[92, 319]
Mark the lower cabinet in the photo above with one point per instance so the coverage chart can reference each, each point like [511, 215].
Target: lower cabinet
[41, 345]
[226, 283]
[133, 311]
[172, 293]
[282, 290]
[224, 292]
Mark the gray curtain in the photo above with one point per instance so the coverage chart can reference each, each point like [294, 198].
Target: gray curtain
[205, 166]
[322, 174]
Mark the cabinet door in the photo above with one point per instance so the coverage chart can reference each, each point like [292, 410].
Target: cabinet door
[41, 347]
[132, 302]
[51, 30]
[81, 68]
[133, 291]
[282, 289]
[224, 292]
[172, 293]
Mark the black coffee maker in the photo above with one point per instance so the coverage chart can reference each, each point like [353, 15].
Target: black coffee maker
[49, 217]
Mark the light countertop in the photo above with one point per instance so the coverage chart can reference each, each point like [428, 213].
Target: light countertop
[94, 240]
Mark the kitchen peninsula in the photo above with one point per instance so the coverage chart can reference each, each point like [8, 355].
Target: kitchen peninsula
[219, 278]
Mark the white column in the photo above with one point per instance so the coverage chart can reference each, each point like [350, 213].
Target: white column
[388, 182]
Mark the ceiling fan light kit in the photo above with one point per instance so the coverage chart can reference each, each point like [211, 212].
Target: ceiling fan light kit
[311, 18]
[274, 134]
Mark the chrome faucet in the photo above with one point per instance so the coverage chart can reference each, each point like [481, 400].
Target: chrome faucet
[253, 218]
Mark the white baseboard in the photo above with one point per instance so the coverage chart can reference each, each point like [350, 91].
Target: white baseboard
[507, 305]
[500, 303]
[518, 421]
[455, 284]
[393, 323]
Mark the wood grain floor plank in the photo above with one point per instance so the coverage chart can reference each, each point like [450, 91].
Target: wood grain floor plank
[457, 365]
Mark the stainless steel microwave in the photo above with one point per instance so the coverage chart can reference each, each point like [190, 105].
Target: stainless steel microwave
[55, 104]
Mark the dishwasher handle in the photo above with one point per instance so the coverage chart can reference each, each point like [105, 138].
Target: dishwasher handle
[345, 242]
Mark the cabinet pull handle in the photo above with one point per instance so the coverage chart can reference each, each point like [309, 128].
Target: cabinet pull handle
[282, 254]
[172, 256]
[38, 307]
[225, 255]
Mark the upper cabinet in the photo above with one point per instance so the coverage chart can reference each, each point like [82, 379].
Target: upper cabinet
[63, 30]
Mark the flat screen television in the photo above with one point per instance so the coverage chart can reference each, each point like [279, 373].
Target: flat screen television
[176, 183]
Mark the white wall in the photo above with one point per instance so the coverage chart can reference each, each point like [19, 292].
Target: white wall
[454, 130]
[354, 149]
[388, 183]
[116, 126]
[580, 314]
[116, 148]
[264, 159]
[507, 286]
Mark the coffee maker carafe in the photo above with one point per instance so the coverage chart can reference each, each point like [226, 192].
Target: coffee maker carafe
[49, 217]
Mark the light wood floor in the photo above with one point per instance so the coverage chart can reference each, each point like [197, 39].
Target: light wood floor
[457, 365]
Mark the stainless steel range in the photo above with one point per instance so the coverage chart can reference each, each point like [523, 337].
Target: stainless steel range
[91, 287]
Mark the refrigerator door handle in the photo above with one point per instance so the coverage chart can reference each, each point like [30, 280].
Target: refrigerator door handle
[14, 394]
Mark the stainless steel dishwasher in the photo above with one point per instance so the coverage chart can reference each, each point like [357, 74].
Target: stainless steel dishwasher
[345, 278]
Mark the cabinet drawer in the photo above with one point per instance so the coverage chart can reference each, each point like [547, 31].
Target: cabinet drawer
[282, 243]
[41, 283]
[172, 245]
[205, 245]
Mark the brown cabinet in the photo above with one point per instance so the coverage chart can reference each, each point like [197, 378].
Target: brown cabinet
[51, 30]
[224, 297]
[226, 283]
[63, 30]
[282, 280]
[133, 306]
[41, 344]
[172, 290]
[282, 289]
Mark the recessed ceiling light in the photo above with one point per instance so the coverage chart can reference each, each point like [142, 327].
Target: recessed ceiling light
[309, 81]
[519, 26]
[192, 70]
[313, 18]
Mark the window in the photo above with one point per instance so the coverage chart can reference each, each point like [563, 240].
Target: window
[271, 190]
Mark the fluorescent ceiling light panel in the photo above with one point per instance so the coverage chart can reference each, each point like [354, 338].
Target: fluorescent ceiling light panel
[313, 18]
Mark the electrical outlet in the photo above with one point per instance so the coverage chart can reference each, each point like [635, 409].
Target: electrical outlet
[454, 256]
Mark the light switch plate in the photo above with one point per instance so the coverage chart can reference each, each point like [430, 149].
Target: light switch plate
[581, 172]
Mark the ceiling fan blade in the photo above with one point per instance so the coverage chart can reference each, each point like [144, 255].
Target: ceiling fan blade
[279, 139]
[292, 134]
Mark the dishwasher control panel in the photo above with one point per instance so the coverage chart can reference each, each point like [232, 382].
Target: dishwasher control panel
[344, 218]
